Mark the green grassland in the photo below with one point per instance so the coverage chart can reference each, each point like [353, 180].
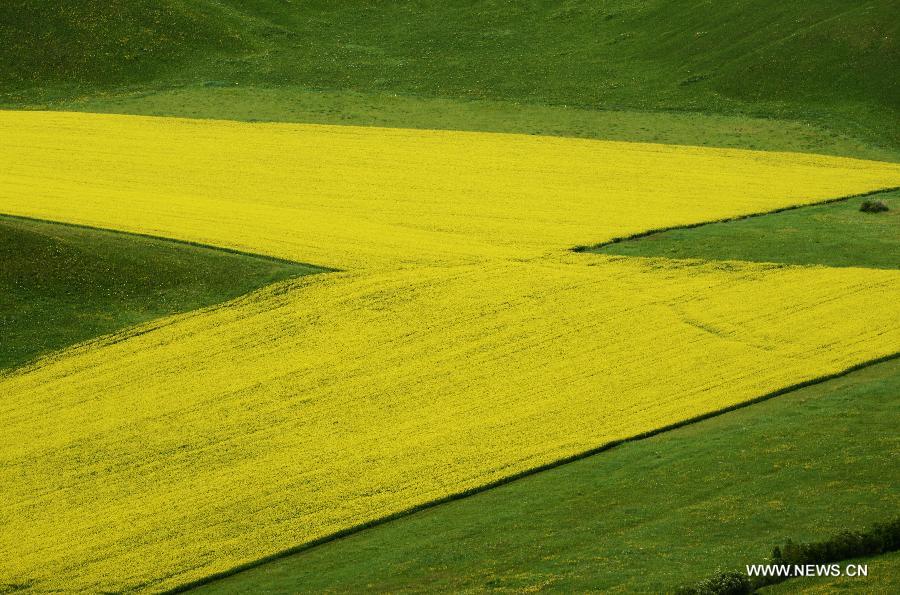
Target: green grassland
[834, 234]
[62, 284]
[644, 517]
[826, 62]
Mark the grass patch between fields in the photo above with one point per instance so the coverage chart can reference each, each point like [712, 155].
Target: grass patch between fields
[834, 234]
[64, 284]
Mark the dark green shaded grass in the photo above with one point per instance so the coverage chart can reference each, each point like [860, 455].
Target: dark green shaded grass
[89, 44]
[62, 284]
[824, 62]
[884, 571]
[834, 234]
[646, 516]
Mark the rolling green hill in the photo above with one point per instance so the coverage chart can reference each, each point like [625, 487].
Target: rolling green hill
[826, 61]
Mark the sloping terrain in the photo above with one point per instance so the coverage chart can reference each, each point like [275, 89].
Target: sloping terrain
[462, 344]
[364, 199]
[824, 61]
[292, 104]
[89, 44]
[147, 430]
[211, 441]
[811, 463]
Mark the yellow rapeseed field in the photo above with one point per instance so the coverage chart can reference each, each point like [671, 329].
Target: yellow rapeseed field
[460, 343]
[372, 198]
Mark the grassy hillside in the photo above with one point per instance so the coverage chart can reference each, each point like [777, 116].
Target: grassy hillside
[87, 44]
[835, 234]
[62, 284]
[655, 54]
[824, 62]
[644, 517]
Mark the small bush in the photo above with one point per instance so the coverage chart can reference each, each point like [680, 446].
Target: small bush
[873, 206]
[721, 583]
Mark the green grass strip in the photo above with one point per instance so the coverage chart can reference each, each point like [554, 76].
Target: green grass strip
[835, 233]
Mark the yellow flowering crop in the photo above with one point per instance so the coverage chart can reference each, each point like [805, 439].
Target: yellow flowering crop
[460, 344]
[362, 198]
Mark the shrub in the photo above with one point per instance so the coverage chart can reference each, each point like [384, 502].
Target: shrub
[873, 206]
[721, 583]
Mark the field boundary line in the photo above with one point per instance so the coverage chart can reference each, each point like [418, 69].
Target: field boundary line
[153, 324]
[658, 230]
[149, 236]
[523, 474]
[326, 269]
